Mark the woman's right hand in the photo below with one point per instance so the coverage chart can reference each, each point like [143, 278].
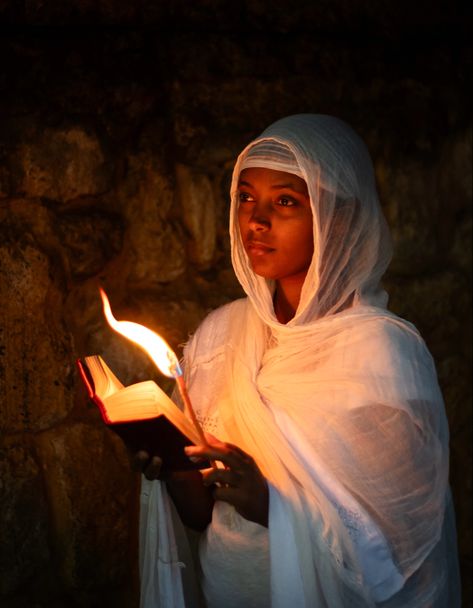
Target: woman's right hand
[150, 467]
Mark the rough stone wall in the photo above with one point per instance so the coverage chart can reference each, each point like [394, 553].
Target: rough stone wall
[116, 149]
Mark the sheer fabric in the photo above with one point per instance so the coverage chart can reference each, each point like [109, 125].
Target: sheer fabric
[353, 508]
[340, 407]
[351, 237]
[161, 582]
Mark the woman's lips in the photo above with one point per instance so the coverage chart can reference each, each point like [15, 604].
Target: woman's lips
[256, 248]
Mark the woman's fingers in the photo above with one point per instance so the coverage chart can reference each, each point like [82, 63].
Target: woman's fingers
[230, 455]
[240, 483]
[153, 469]
[227, 494]
[225, 477]
[143, 462]
[139, 460]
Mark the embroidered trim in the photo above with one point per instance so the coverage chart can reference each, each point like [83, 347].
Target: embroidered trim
[352, 520]
[208, 423]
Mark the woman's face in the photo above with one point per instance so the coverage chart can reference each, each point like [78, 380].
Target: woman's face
[275, 220]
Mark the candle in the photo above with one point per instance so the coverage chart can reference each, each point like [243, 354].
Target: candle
[160, 353]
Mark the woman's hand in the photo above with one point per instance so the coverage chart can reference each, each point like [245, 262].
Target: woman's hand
[240, 483]
[192, 499]
[142, 462]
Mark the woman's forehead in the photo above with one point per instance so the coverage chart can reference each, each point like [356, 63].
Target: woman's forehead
[262, 176]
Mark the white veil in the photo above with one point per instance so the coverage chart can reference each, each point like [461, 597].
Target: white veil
[352, 242]
[343, 413]
[340, 408]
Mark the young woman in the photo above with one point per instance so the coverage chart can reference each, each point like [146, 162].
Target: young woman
[323, 407]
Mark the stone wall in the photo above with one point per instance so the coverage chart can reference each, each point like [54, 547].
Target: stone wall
[119, 125]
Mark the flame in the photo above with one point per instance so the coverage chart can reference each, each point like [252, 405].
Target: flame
[157, 348]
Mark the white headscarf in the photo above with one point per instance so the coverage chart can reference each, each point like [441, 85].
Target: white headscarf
[343, 413]
[351, 237]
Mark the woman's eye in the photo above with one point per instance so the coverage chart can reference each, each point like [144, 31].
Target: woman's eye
[244, 197]
[286, 202]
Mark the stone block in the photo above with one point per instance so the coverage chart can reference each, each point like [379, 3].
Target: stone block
[89, 239]
[90, 492]
[411, 203]
[35, 347]
[199, 214]
[154, 245]
[24, 548]
[60, 164]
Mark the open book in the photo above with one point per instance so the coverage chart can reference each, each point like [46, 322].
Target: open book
[141, 414]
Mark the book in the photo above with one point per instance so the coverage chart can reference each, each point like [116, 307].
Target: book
[141, 414]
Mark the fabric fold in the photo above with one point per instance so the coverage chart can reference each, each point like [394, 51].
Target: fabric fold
[160, 568]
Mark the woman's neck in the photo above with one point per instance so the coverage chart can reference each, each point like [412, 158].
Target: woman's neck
[286, 300]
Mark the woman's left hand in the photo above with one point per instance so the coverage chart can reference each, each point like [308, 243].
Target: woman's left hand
[240, 483]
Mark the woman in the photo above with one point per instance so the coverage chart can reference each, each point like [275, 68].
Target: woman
[331, 427]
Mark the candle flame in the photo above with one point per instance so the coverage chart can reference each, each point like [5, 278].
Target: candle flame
[159, 351]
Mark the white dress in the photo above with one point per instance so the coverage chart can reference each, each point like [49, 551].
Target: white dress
[235, 553]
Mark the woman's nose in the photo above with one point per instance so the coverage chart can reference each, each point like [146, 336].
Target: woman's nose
[259, 219]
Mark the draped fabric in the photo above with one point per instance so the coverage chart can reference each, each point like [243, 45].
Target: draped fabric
[358, 470]
[351, 237]
[159, 561]
[340, 407]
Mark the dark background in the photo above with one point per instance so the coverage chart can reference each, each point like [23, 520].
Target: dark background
[119, 125]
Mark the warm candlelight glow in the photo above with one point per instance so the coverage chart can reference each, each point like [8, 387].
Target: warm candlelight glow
[160, 353]
[158, 350]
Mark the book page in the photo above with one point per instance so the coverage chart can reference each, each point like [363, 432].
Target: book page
[105, 381]
[145, 400]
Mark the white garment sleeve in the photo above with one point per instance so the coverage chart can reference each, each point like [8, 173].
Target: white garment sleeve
[378, 569]
[393, 468]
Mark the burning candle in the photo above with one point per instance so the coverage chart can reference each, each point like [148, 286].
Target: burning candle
[160, 353]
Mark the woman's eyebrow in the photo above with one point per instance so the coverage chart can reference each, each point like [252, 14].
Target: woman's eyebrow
[243, 183]
[288, 186]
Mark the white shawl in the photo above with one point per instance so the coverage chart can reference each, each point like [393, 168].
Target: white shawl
[343, 413]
